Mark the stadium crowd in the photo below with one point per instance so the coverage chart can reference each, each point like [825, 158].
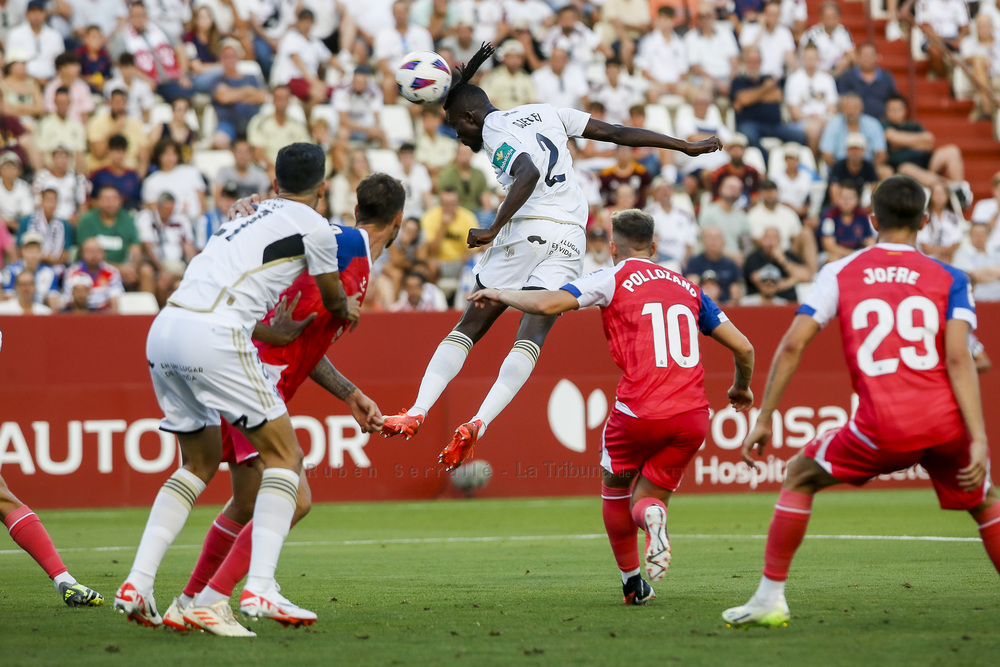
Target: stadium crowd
[129, 129]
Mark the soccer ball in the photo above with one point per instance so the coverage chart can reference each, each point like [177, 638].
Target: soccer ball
[472, 475]
[423, 77]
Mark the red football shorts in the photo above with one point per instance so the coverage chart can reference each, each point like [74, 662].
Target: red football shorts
[660, 449]
[236, 449]
[846, 456]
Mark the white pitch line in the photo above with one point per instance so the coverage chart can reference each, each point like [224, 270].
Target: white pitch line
[538, 538]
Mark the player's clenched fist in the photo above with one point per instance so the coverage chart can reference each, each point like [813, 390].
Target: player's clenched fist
[709, 145]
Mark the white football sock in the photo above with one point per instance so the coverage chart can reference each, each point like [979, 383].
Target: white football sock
[628, 575]
[447, 361]
[208, 596]
[272, 518]
[514, 372]
[64, 578]
[769, 590]
[166, 518]
[185, 600]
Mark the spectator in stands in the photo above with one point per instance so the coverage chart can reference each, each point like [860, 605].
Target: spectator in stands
[105, 279]
[986, 211]
[118, 176]
[574, 37]
[163, 65]
[167, 246]
[269, 132]
[11, 16]
[912, 152]
[618, 93]
[724, 215]
[560, 83]
[38, 41]
[81, 102]
[757, 100]
[439, 17]
[269, 20]
[55, 235]
[59, 129]
[22, 94]
[770, 213]
[598, 254]
[872, 83]
[206, 226]
[342, 194]
[749, 177]
[300, 62]
[14, 138]
[359, 104]
[625, 170]
[102, 126]
[401, 257]
[203, 42]
[982, 53]
[811, 96]
[72, 189]
[171, 16]
[24, 302]
[949, 20]
[853, 170]
[981, 261]
[8, 246]
[45, 277]
[79, 287]
[851, 119]
[95, 61]
[794, 14]
[393, 42]
[445, 229]
[462, 43]
[944, 229]
[696, 126]
[417, 183]
[595, 149]
[676, 231]
[245, 176]
[629, 19]
[414, 298]
[433, 149]
[237, 98]
[836, 48]
[509, 85]
[177, 129]
[845, 228]
[794, 182]
[773, 40]
[713, 53]
[468, 181]
[713, 263]
[766, 282]
[173, 175]
[15, 194]
[115, 232]
[139, 94]
[769, 251]
[656, 50]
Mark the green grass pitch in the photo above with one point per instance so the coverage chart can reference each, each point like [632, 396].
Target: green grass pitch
[403, 583]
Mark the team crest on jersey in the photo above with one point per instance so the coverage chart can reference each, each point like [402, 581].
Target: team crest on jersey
[502, 156]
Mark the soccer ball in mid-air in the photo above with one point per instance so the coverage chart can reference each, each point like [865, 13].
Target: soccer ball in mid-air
[423, 77]
[472, 475]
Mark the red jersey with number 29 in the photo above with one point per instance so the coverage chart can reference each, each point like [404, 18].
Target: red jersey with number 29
[893, 304]
[652, 317]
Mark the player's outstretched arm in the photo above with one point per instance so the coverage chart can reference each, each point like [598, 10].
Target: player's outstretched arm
[536, 302]
[786, 360]
[525, 175]
[363, 409]
[965, 385]
[740, 396]
[623, 135]
[335, 300]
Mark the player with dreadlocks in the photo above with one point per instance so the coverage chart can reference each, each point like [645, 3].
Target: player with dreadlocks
[538, 236]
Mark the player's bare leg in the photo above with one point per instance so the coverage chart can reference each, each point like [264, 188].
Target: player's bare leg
[804, 477]
[201, 453]
[987, 517]
[447, 361]
[649, 511]
[28, 533]
[272, 518]
[616, 499]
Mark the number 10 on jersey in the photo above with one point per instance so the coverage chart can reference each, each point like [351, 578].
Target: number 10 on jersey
[667, 342]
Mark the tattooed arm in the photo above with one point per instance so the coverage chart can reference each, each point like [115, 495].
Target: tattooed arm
[363, 409]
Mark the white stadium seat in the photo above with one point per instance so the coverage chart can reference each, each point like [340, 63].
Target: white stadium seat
[137, 303]
[397, 124]
[210, 162]
[658, 119]
[384, 160]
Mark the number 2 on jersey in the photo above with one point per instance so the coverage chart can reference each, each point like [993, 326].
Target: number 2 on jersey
[553, 152]
[902, 322]
[667, 334]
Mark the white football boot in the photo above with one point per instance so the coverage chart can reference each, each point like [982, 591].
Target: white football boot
[756, 613]
[272, 604]
[658, 546]
[216, 619]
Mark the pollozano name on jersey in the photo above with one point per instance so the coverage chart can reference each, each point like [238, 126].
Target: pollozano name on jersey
[891, 274]
[638, 278]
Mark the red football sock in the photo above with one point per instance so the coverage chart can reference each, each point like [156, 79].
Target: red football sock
[620, 527]
[989, 530]
[788, 528]
[639, 510]
[29, 534]
[236, 565]
[217, 544]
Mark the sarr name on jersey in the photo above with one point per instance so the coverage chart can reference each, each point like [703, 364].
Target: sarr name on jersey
[528, 120]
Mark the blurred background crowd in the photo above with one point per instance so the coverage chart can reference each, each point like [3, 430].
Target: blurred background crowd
[128, 129]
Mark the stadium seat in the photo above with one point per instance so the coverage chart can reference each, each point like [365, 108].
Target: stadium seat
[776, 160]
[162, 113]
[682, 201]
[250, 67]
[686, 112]
[209, 124]
[137, 303]
[770, 143]
[384, 160]
[397, 124]
[917, 44]
[295, 111]
[329, 114]
[731, 119]
[658, 119]
[672, 102]
[210, 162]
[755, 159]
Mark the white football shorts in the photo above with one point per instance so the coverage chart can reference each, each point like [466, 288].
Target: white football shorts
[533, 252]
[204, 366]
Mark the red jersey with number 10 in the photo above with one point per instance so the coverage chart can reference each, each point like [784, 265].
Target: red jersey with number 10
[296, 360]
[652, 317]
[894, 303]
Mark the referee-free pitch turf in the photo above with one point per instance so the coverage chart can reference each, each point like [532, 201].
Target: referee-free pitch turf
[521, 582]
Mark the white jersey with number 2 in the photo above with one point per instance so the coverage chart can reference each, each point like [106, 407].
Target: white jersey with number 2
[543, 132]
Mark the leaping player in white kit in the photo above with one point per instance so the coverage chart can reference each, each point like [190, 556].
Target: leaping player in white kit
[538, 236]
[204, 364]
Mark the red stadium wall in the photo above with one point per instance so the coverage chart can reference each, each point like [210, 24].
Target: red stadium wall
[78, 416]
